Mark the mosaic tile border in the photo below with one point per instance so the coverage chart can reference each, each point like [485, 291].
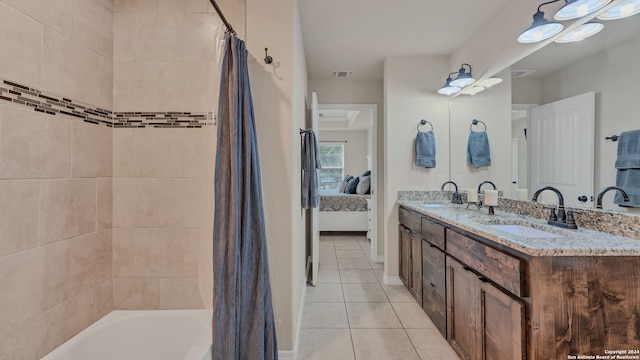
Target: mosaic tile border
[15, 93]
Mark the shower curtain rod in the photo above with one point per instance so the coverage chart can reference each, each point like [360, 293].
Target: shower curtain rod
[224, 19]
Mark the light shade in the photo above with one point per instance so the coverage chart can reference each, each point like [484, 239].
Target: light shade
[574, 9]
[622, 10]
[540, 30]
[472, 90]
[449, 89]
[581, 32]
[489, 82]
[464, 78]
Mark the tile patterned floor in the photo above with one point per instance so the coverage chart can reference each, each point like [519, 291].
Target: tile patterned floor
[351, 315]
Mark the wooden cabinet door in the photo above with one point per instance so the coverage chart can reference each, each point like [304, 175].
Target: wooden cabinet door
[503, 327]
[433, 285]
[415, 284]
[404, 251]
[463, 310]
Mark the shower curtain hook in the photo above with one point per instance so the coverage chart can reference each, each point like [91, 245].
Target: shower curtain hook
[267, 59]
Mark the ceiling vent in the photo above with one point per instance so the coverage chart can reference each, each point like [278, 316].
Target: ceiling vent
[521, 73]
[342, 74]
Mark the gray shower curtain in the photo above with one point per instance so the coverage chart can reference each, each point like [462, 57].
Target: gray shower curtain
[243, 320]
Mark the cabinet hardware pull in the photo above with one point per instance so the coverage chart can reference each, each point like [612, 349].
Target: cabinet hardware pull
[466, 268]
[432, 245]
[483, 279]
[432, 285]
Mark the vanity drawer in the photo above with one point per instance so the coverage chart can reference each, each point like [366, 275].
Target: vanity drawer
[432, 232]
[503, 269]
[410, 220]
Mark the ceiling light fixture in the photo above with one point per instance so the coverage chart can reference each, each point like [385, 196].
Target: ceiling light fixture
[464, 78]
[622, 10]
[541, 29]
[489, 82]
[574, 9]
[448, 88]
[581, 32]
[472, 90]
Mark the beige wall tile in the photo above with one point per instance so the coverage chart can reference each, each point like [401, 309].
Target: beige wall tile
[90, 261]
[200, 36]
[54, 280]
[20, 296]
[22, 38]
[191, 245]
[18, 213]
[105, 83]
[156, 202]
[67, 209]
[56, 14]
[62, 322]
[148, 252]
[135, 5]
[135, 86]
[104, 298]
[147, 37]
[93, 26]
[19, 342]
[159, 152]
[33, 145]
[180, 293]
[185, 85]
[135, 294]
[70, 69]
[107, 3]
[105, 203]
[92, 150]
[184, 5]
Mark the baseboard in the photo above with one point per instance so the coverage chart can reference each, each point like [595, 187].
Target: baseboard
[293, 354]
[286, 355]
[392, 280]
[380, 259]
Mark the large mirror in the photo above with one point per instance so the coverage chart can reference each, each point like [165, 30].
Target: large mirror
[605, 64]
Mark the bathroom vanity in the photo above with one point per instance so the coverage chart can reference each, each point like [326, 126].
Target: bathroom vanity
[512, 287]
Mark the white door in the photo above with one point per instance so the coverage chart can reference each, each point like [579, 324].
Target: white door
[561, 149]
[315, 212]
[515, 156]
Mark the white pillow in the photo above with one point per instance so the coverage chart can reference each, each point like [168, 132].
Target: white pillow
[363, 185]
[341, 186]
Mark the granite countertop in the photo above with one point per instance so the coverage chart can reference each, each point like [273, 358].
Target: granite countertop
[580, 242]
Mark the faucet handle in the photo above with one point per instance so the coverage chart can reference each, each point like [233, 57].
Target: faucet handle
[552, 213]
[571, 221]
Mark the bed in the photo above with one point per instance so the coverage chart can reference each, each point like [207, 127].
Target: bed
[343, 212]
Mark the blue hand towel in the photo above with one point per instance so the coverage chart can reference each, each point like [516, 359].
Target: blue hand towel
[478, 153]
[628, 165]
[426, 149]
[629, 150]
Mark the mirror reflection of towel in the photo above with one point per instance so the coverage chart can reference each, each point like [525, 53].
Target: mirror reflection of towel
[478, 153]
[628, 168]
[426, 149]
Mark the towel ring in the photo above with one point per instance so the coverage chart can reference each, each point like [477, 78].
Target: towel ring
[475, 122]
[424, 122]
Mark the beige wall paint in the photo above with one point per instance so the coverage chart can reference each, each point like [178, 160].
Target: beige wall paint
[279, 100]
[409, 97]
[55, 176]
[355, 149]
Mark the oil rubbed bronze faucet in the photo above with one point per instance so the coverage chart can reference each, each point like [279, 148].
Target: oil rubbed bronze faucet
[487, 182]
[625, 196]
[457, 198]
[561, 219]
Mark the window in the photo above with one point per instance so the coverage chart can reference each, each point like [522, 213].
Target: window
[332, 161]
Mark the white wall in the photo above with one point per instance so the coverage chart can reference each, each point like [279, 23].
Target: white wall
[355, 149]
[612, 75]
[279, 102]
[409, 97]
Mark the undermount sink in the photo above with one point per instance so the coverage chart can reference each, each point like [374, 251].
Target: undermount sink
[430, 205]
[524, 231]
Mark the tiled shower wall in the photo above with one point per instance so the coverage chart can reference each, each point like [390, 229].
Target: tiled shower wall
[55, 174]
[164, 60]
[96, 217]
